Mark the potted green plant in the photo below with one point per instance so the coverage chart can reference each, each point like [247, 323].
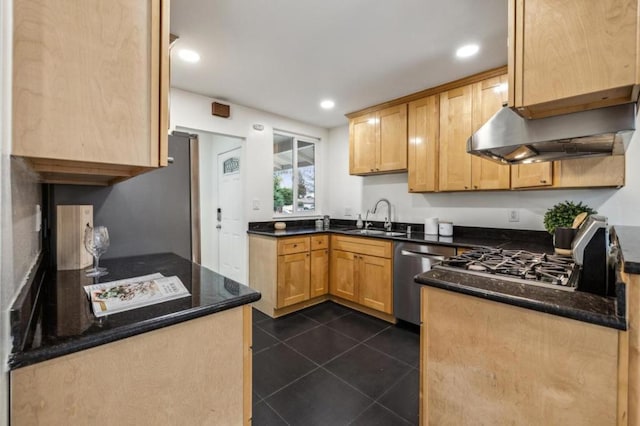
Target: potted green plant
[558, 221]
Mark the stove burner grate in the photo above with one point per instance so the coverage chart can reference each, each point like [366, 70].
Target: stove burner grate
[517, 265]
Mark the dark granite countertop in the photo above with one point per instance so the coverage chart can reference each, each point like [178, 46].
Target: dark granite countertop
[467, 237]
[576, 305]
[63, 321]
[629, 242]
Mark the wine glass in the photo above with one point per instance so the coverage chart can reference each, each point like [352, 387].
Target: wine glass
[96, 241]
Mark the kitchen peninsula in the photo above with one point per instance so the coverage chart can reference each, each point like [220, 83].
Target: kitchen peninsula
[186, 360]
[517, 352]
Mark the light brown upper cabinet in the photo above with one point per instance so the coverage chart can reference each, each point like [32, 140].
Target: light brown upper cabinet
[90, 88]
[531, 175]
[423, 144]
[456, 125]
[378, 141]
[568, 56]
[488, 97]
[463, 111]
[577, 173]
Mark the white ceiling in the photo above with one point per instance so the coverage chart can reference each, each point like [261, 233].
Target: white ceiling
[285, 56]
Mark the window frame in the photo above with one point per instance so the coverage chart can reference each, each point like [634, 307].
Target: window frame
[294, 159]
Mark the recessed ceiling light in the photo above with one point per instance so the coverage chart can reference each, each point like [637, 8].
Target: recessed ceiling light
[467, 50]
[327, 104]
[189, 55]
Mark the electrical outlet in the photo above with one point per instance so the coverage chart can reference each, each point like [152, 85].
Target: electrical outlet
[348, 211]
[255, 203]
[514, 216]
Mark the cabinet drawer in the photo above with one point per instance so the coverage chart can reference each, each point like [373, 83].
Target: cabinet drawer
[370, 246]
[293, 245]
[319, 242]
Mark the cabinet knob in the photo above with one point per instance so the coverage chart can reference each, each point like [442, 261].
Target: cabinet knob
[377, 169]
[295, 245]
[475, 186]
[307, 254]
[543, 181]
[371, 169]
[466, 187]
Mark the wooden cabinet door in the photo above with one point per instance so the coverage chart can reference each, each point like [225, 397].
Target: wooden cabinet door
[374, 283]
[531, 175]
[293, 279]
[392, 148]
[319, 279]
[572, 53]
[589, 172]
[344, 275]
[488, 97]
[363, 144]
[90, 85]
[423, 144]
[455, 129]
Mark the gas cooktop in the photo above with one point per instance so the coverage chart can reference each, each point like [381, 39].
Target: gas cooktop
[544, 270]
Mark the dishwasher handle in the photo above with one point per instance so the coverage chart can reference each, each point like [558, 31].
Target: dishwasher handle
[420, 254]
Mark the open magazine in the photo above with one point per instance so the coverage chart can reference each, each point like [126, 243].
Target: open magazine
[123, 295]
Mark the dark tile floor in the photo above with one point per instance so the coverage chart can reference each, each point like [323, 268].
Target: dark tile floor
[330, 365]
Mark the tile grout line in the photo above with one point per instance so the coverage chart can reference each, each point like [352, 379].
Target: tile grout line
[290, 337]
[348, 384]
[356, 343]
[389, 390]
[275, 411]
[389, 355]
[375, 400]
[318, 366]
[361, 413]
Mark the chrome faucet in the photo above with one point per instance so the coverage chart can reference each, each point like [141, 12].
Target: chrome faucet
[367, 224]
[387, 219]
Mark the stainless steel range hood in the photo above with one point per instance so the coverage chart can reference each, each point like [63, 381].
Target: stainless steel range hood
[508, 138]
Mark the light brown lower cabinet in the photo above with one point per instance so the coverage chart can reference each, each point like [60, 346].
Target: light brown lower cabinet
[295, 272]
[484, 362]
[194, 372]
[290, 272]
[319, 277]
[361, 272]
[293, 278]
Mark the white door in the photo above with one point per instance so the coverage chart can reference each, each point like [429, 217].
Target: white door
[230, 220]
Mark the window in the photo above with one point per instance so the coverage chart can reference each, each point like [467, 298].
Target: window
[294, 174]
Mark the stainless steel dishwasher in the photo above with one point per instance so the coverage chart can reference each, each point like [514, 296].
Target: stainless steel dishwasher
[409, 260]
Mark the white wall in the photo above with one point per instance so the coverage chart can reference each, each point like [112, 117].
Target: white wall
[486, 209]
[345, 191]
[19, 193]
[194, 112]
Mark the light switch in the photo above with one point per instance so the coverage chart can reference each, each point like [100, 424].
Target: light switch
[255, 204]
[38, 217]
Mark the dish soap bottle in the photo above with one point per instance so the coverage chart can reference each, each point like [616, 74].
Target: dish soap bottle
[359, 223]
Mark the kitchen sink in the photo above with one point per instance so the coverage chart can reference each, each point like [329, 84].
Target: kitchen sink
[376, 232]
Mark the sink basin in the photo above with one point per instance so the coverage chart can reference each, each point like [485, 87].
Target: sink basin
[366, 231]
[376, 232]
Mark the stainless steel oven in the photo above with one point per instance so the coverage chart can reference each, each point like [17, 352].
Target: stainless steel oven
[411, 259]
